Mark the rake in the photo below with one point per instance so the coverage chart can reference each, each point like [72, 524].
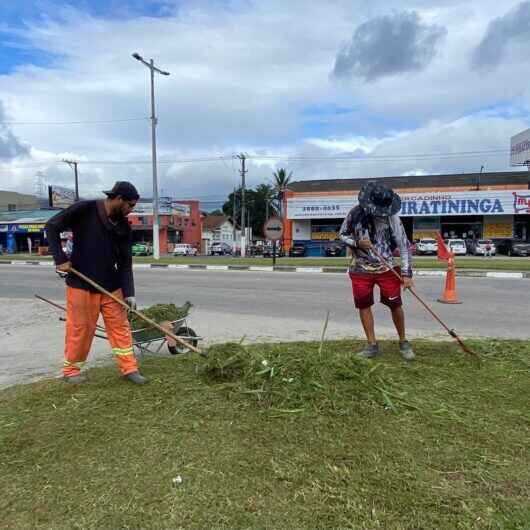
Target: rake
[450, 331]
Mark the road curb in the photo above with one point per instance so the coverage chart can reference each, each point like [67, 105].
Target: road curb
[511, 275]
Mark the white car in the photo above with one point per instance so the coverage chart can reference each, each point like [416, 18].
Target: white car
[456, 246]
[427, 246]
[184, 249]
[479, 247]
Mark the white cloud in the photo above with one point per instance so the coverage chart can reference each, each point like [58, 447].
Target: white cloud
[240, 80]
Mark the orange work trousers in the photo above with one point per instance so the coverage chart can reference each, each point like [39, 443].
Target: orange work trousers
[82, 313]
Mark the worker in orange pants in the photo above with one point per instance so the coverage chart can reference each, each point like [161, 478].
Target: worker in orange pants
[83, 310]
[101, 251]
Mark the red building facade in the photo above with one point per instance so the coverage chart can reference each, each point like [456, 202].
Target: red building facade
[174, 228]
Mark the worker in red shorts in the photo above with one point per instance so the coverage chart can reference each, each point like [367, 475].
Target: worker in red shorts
[375, 222]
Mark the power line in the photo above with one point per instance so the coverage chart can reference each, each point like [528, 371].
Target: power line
[349, 159]
[82, 122]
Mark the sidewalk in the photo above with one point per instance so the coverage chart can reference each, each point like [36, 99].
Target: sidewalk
[469, 273]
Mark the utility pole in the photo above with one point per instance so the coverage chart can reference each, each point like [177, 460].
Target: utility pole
[154, 121]
[243, 171]
[234, 217]
[73, 164]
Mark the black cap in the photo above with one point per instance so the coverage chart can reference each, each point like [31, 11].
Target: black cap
[124, 189]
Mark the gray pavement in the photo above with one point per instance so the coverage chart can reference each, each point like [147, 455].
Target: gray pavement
[260, 306]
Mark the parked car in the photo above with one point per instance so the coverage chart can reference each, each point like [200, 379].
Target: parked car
[513, 247]
[413, 249]
[335, 250]
[427, 246]
[220, 249]
[142, 249]
[478, 247]
[298, 250]
[456, 246]
[267, 251]
[184, 249]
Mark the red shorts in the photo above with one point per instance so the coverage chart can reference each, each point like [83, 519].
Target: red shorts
[363, 288]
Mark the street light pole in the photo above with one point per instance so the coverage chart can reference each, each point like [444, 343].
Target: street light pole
[156, 226]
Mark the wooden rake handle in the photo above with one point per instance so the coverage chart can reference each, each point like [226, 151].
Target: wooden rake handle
[450, 331]
[134, 311]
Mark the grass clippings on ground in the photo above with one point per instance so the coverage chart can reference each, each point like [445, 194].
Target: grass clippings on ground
[276, 436]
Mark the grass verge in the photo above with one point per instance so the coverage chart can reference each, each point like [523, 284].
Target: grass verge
[423, 262]
[294, 435]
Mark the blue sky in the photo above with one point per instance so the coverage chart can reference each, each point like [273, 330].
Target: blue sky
[16, 15]
[288, 79]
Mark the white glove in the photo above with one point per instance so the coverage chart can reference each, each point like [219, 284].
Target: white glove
[131, 302]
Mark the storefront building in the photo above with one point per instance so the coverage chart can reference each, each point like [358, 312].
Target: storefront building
[468, 206]
[179, 223]
[23, 231]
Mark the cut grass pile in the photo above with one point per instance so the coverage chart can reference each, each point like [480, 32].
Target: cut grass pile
[310, 438]
[160, 313]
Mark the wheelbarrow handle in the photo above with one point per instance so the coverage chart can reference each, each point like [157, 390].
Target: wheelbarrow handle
[134, 311]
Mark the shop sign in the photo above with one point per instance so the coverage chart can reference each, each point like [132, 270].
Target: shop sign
[520, 148]
[324, 236]
[498, 230]
[25, 228]
[424, 234]
[420, 205]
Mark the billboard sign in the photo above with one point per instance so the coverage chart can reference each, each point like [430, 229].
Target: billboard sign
[431, 204]
[520, 149]
[166, 206]
[60, 197]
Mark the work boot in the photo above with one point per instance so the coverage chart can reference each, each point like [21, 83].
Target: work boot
[136, 377]
[369, 351]
[406, 350]
[75, 379]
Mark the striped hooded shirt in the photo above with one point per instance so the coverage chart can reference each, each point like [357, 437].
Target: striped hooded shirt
[385, 233]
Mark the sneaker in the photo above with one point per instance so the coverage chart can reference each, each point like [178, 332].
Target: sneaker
[406, 350]
[75, 379]
[370, 350]
[136, 377]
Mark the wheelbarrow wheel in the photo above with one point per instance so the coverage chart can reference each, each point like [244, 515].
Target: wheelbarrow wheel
[183, 331]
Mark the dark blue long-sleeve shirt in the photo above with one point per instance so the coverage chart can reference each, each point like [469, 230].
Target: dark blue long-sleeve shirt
[101, 247]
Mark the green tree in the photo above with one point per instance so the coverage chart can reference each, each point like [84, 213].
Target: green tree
[255, 205]
[267, 194]
[281, 181]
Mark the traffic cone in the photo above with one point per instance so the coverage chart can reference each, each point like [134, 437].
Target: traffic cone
[449, 295]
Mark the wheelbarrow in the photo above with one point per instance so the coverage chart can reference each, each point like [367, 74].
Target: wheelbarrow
[146, 339]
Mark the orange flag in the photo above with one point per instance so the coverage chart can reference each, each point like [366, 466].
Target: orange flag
[443, 253]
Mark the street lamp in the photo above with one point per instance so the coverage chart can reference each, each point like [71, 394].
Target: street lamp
[156, 228]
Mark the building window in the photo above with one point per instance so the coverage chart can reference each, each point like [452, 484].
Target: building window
[11, 207]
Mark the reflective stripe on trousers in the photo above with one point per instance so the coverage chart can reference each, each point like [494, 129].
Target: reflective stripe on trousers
[83, 310]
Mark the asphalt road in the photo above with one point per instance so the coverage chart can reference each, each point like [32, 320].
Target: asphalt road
[491, 307]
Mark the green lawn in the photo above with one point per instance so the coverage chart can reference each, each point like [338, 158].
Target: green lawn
[312, 438]
[465, 263]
